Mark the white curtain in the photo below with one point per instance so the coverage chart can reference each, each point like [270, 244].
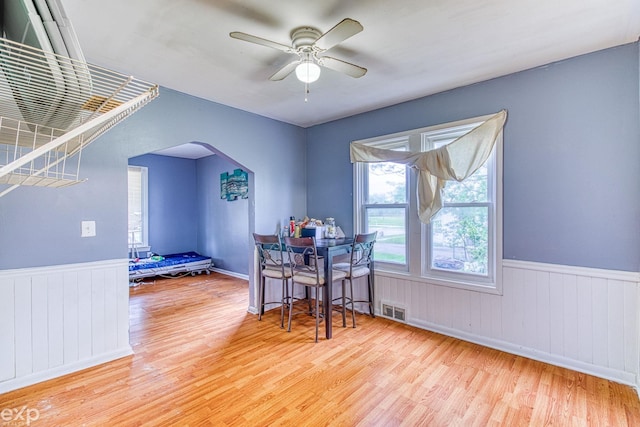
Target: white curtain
[454, 161]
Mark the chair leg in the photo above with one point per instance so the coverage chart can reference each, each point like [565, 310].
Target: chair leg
[317, 313]
[282, 301]
[261, 297]
[353, 308]
[372, 310]
[318, 306]
[293, 288]
[288, 300]
[344, 306]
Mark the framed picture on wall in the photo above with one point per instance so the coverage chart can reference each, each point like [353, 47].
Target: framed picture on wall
[223, 185]
[234, 185]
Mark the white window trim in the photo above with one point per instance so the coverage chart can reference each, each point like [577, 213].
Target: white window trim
[389, 141]
[144, 174]
[415, 229]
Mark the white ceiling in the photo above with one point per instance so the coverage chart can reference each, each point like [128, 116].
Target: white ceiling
[186, 151]
[411, 48]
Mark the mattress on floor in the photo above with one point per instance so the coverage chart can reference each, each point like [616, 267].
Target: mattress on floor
[185, 262]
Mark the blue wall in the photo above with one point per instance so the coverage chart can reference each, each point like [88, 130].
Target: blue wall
[571, 166]
[172, 203]
[41, 226]
[571, 157]
[223, 226]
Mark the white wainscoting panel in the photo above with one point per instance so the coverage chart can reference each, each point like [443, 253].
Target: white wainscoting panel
[580, 318]
[60, 319]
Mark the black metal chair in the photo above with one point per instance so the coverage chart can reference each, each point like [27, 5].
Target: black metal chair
[360, 265]
[272, 265]
[307, 269]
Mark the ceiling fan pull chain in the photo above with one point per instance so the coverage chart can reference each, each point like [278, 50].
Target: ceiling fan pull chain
[306, 92]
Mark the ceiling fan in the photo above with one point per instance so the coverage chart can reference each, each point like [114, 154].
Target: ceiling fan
[310, 44]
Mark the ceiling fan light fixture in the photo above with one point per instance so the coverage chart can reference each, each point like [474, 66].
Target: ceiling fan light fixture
[307, 71]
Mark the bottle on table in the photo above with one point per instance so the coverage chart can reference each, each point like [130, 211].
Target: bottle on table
[292, 226]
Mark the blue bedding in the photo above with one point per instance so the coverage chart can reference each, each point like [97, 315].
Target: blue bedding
[166, 260]
[169, 264]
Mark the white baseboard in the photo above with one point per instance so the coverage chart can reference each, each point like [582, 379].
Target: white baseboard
[37, 377]
[230, 273]
[575, 365]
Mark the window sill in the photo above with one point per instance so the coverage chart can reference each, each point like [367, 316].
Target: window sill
[139, 249]
[489, 288]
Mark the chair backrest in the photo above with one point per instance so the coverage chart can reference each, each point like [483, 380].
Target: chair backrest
[303, 257]
[362, 251]
[270, 251]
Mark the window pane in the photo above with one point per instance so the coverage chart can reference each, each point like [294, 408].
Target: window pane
[460, 240]
[135, 206]
[391, 241]
[471, 190]
[387, 183]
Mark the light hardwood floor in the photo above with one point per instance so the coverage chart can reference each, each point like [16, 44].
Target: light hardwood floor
[201, 359]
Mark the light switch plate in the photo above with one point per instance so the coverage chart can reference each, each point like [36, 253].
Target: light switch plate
[88, 229]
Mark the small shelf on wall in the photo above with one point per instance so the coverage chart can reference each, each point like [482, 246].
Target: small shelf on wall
[51, 108]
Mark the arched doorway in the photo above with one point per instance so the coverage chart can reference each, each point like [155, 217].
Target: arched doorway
[186, 211]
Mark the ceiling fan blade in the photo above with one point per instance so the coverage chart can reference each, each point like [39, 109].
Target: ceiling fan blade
[259, 40]
[284, 71]
[342, 66]
[342, 31]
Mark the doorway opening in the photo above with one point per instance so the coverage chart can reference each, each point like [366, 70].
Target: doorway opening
[185, 210]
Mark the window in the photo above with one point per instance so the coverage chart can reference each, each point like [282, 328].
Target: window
[138, 219]
[385, 205]
[461, 247]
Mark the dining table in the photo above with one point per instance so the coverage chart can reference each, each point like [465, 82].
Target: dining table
[328, 249]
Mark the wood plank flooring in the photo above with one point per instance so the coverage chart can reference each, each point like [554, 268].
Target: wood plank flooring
[201, 359]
